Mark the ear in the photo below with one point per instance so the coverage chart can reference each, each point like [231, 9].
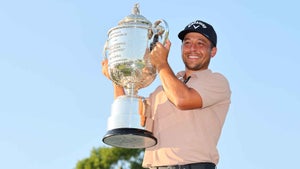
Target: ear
[213, 52]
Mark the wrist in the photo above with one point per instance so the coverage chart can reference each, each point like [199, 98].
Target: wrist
[162, 66]
[117, 86]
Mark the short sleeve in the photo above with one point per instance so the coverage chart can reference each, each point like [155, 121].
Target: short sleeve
[213, 88]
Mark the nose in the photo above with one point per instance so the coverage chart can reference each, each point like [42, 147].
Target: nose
[193, 47]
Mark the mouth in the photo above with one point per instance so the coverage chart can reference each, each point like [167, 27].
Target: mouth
[193, 57]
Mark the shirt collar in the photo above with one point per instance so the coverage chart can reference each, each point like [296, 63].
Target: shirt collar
[180, 75]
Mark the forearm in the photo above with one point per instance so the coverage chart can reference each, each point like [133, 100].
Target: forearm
[173, 88]
[182, 96]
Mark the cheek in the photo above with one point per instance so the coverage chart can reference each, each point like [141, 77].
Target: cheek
[184, 51]
[182, 56]
[185, 48]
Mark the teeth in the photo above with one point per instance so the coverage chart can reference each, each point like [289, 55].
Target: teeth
[193, 57]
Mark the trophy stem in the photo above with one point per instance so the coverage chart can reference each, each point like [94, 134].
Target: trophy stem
[130, 90]
[124, 128]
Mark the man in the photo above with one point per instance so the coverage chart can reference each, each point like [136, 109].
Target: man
[187, 112]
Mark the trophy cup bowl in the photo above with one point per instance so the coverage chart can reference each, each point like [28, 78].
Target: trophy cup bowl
[127, 49]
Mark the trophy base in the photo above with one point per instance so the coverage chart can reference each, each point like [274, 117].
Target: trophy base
[129, 138]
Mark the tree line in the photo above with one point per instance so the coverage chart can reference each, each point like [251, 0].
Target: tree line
[112, 158]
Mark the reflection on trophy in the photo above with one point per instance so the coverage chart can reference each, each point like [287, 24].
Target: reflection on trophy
[127, 49]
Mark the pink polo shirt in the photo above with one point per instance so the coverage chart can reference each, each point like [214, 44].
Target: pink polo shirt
[188, 136]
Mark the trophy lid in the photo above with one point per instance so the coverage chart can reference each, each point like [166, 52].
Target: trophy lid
[135, 18]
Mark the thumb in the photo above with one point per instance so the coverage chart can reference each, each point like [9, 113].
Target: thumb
[168, 44]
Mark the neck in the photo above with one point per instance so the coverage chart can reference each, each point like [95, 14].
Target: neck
[189, 72]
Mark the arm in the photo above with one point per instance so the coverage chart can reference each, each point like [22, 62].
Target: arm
[182, 96]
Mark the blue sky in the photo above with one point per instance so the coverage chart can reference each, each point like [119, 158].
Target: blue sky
[54, 100]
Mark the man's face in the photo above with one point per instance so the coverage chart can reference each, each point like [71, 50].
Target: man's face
[196, 51]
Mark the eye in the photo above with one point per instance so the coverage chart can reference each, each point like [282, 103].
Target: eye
[200, 43]
[203, 44]
[186, 43]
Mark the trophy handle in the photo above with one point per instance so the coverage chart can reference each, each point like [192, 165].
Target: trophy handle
[105, 48]
[160, 33]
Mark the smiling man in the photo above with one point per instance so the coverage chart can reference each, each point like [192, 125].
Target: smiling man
[187, 111]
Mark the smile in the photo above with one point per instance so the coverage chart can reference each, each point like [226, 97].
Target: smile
[193, 57]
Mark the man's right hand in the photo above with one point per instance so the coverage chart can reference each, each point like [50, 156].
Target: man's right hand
[105, 68]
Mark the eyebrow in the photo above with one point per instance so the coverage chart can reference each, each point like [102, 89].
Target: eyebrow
[198, 39]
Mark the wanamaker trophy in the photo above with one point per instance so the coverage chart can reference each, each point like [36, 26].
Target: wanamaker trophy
[127, 49]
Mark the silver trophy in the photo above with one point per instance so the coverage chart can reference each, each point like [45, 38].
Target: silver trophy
[127, 49]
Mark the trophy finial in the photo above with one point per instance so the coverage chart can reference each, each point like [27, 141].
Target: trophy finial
[135, 17]
[136, 10]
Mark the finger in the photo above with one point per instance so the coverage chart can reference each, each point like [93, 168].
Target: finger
[104, 62]
[168, 44]
[158, 45]
[141, 107]
[141, 113]
[105, 68]
[142, 121]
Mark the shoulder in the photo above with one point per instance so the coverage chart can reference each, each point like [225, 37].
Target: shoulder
[208, 79]
[220, 77]
[210, 75]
